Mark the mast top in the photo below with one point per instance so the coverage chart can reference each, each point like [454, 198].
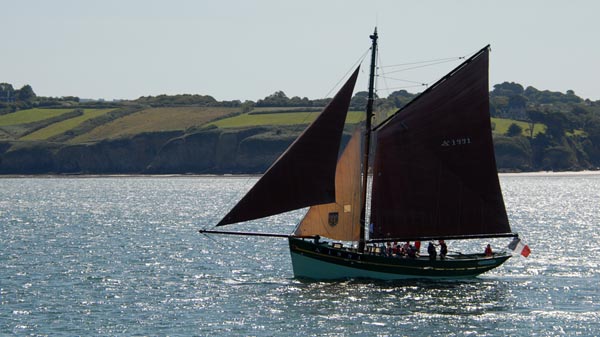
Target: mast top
[374, 36]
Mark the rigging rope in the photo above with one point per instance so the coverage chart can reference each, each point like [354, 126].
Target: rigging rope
[352, 68]
[416, 84]
[415, 65]
[421, 62]
[402, 80]
[359, 61]
[425, 65]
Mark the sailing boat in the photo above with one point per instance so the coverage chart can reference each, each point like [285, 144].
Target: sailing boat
[434, 177]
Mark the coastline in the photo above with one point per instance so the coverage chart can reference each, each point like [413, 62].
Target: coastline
[230, 176]
[136, 175]
[551, 173]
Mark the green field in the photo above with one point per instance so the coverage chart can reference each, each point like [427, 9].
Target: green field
[30, 116]
[295, 118]
[178, 118]
[66, 125]
[281, 118]
[274, 109]
[155, 120]
[503, 124]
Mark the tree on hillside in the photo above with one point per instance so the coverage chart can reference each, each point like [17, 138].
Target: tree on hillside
[507, 89]
[400, 98]
[592, 129]
[507, 100]
[516, 107]
[517, 102]
[179, 100]
[6, 92]
[321, 101]
[299, 102]
[359, 100]
[560, 157]
[513, 153]
[557, 123]
[514, 130]
[247, 106]
[278, 98]
[536, 115]
[25, 94]
[498, 104]
[580, 116]
[550, 97]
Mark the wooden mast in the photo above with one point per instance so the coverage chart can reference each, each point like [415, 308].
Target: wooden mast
[369, 117]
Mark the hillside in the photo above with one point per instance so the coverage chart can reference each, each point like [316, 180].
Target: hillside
[155, 120]
[533, 130]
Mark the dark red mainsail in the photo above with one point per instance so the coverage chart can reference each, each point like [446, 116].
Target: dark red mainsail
[435, 173]
[304, 175]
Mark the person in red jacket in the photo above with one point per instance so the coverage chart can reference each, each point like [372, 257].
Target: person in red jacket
[488, 250]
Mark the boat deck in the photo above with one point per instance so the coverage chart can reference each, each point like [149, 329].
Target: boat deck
[376, 251]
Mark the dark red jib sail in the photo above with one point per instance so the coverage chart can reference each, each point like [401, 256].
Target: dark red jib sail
[304, 175]
[435, 172]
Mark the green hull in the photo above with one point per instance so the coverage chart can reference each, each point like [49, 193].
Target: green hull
[323, 262]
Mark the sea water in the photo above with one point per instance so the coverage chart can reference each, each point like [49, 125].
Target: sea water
[122, 256]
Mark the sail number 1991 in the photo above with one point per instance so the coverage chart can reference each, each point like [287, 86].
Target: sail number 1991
[456, 142]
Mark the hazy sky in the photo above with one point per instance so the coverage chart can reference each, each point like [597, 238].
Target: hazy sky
[236, 49]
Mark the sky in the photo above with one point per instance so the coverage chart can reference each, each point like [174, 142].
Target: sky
[247, 50]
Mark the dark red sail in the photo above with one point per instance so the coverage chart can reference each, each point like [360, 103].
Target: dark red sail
[435, 172]
[304, 175]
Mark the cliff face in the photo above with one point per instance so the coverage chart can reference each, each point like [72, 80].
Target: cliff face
[206, 152]
[217, 152]
[192, 153]
[35, 159]
[130, 155]
[255, 154]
